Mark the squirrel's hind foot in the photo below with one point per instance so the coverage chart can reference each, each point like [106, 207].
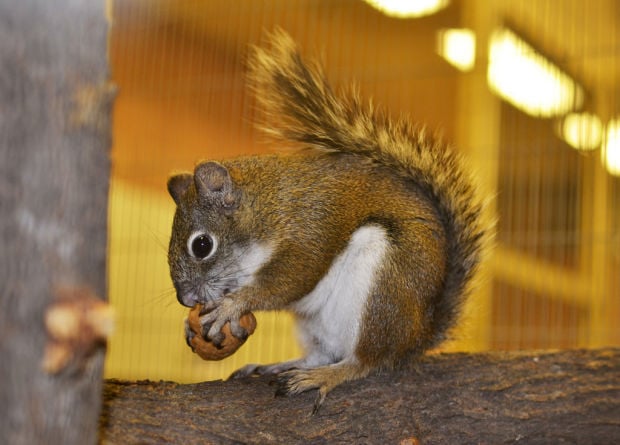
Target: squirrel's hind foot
[324, 378]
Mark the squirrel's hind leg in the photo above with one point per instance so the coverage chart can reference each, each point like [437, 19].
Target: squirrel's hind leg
[323, 378]
[276, 368]
[314, 359]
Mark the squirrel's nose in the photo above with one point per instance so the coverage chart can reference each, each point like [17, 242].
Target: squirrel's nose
[188, 299]
[186, 295]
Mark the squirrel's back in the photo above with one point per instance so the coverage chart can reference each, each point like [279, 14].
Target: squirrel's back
[301, 107]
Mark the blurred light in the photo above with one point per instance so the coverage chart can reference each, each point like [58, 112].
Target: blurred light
[610, 154]
[528, 80]
[458, 47]
[583, 131]
[408, 8]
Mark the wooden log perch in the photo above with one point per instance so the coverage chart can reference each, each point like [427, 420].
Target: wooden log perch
[568, 397]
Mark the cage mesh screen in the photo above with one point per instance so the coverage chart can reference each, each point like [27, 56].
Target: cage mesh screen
[552, 280]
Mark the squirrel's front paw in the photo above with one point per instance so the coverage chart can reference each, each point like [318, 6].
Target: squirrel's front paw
[213, 321]
[196, 335]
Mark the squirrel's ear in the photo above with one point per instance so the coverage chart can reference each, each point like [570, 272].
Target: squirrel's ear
[214, 183]
[178, 185]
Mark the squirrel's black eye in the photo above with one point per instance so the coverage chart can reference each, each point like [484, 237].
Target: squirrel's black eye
[201, 246]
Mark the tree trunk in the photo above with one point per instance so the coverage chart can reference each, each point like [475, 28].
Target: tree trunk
[55, 106]
[570, 397]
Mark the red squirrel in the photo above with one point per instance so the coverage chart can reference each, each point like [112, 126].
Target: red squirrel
[370, 232]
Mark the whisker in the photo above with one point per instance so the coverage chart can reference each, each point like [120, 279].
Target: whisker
[161, 298]
[230, 276]
[160, 240]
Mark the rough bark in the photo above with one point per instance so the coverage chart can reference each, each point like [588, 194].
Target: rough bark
[570, 397]
[54, 170]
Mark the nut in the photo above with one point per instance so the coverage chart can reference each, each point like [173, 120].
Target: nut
[206, 349]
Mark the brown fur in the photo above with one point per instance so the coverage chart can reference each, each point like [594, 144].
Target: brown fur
[358, 169]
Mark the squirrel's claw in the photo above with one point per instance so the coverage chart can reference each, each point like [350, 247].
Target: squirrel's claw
[246, 371]
[213, 322]
[297, 381]
[238, 331]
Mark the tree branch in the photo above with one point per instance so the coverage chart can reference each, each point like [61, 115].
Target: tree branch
[533, 398]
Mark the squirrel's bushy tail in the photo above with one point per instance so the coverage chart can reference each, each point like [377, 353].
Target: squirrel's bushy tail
[300, 106]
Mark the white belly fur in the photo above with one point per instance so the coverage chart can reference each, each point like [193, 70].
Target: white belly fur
[329, 317]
